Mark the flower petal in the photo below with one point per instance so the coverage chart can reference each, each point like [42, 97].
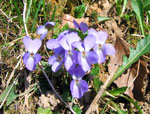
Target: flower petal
[64, 43]
[37, 58]
[43, 35]
[83, 85]
[92, 57]
[76, 24]
[72, 37]
[30, 64]
[83, 62]
[108, 49]
[68, 62]
[83, 27]
[49, 24]
[102, 36]
[27, 41]
[78, 45]
[56, 66]
[101, 56]
[89, 42]
[52, 59]
[25, 57]
[36, 44]
[41, 29]
[52, 44]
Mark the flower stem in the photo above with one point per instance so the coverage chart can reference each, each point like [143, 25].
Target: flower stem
[54, 89]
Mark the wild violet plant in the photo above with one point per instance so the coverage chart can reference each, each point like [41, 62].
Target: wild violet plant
[76, 52]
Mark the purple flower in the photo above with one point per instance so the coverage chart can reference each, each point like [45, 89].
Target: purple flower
[43, 30]
[78, 86]
[30, 58]
[83, 26]
[101, 48]
[70, 53]
[54, 43]
[57, 59]
[85, 56]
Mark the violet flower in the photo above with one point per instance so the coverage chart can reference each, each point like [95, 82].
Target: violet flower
[57, 59]
[43, 29]
[83, 26]
[101, 48]
[30, 58]
[78, 86]
[70, 53]
[85, 56]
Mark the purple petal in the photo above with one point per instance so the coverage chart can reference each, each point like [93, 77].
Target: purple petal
[64, 43]
[52, 59]
[77, 90]
[83, 62]
[37, 58]
[30, 64]
[25, 57]
[76, 24]
[43, 36]
[27, 41]
[56, 66]
[36, 44]
[41, 29]
[72, 37]
[62, 34]
[52, 44]
[108, 49]
[68, 62]
[77, 71]
[92, 31]
[49, 24]
[89, 42]
[102, 36]
[92, 57]
[83, 27]
[78, 45]
[101, 56]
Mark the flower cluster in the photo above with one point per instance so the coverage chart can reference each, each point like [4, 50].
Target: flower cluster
[76, 54]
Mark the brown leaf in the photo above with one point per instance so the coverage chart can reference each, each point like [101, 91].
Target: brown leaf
[68, 19]
[133, 78]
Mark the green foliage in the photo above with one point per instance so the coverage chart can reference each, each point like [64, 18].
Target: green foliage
[143, 46]
[119, 110]
[79, 11]
[97, 83]
[134, 103]
[11, 96]
[124, 7]
[137, 7]
[36, 15]
[95, 70]
[77, 109]
[146, 4]
[117, 91]
[40, 110]
[102, 18]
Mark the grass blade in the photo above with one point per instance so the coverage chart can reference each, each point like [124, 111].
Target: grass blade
[137, 7]
[36, 15]
[101, 18]
[28, 11]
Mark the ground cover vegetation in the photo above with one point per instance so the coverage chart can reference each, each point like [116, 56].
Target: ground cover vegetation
[80, 57]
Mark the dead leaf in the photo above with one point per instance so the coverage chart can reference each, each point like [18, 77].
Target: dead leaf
[68, 19]
[133, 78]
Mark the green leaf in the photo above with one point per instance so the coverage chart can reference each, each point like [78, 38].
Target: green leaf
[119, 110]
[97, 83]
[41, 110]
[11, 96]
[134, 103]
[117, 91]
[79, 11]
[143, 46]
[77, 109]
[124, 7]
[102, 18]
[95, 70]
[137, 7]
[146, 4]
